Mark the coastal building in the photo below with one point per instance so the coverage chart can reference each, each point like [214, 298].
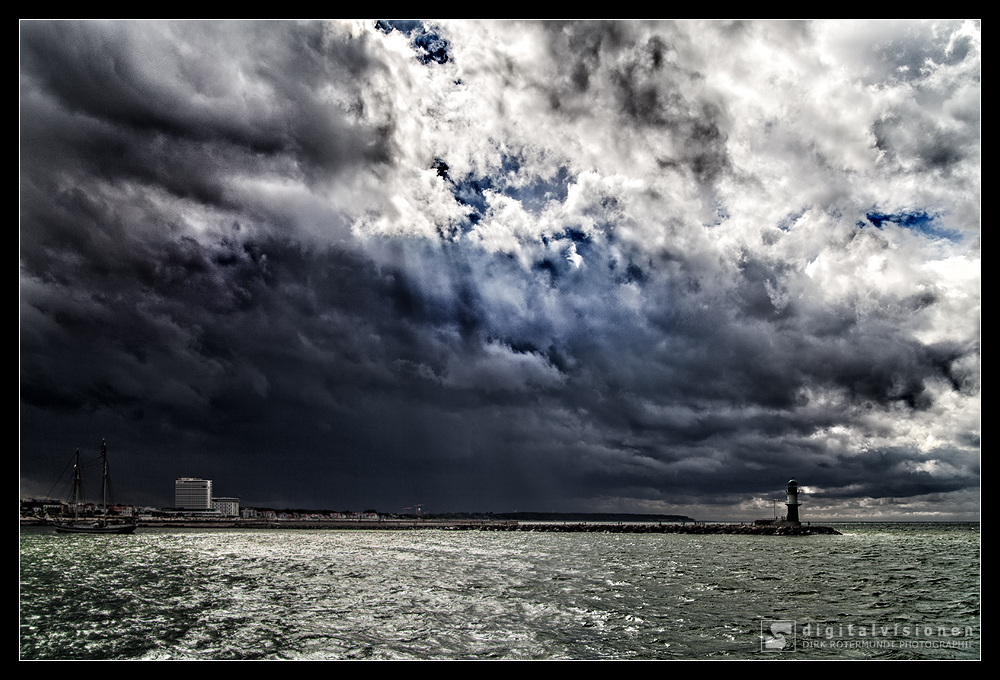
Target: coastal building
[227, 507]
[193, 494]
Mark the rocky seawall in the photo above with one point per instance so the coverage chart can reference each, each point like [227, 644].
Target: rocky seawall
[747, 529]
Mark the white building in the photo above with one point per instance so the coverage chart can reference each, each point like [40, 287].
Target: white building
[193, 494]
[227, 507]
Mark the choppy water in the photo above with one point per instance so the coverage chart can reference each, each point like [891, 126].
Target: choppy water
[191, 594]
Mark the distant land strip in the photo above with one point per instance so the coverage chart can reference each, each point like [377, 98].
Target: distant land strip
[602, 526]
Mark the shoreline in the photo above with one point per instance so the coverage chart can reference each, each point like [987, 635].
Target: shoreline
[489, 525]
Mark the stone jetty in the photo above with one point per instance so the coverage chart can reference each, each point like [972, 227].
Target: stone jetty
[601, 528]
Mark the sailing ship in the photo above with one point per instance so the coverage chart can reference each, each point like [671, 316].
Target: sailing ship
[101, 525]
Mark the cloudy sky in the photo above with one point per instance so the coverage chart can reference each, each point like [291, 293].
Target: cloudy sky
[595, 266]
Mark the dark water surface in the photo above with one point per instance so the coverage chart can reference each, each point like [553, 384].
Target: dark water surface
[893, 591]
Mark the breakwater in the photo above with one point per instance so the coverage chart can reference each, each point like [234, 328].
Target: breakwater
[748, 529]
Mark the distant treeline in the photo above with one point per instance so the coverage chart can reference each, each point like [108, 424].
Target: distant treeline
[517, 516]
[558, 516]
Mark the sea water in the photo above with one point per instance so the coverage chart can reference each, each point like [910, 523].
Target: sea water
[883, 591]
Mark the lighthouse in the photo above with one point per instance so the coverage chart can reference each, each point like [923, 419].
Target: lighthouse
[793, 503]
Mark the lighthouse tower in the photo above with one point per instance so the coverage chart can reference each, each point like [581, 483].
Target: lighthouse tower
[793, 503]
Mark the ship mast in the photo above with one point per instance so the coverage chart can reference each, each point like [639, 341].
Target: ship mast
[77, 484]
[104, 478]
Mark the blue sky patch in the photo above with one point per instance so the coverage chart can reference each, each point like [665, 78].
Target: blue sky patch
[535, 195]
[429, 45]
[791, 218]
[540, 192]
[917, 220]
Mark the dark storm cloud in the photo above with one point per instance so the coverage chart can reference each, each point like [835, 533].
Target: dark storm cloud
[932, 147]
[286, 257]
[162, 103]
[650, 87]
